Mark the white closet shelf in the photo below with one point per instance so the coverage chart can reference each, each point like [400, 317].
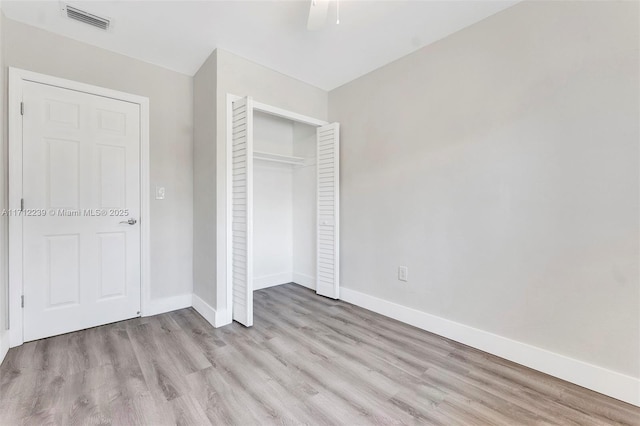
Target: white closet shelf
[278, 158]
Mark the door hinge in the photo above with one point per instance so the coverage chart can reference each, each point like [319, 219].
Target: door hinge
[21, 108]
[21, 204]
[22, 300]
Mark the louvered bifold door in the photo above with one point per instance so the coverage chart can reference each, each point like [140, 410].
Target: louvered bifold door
[328, 271]
[242, 211]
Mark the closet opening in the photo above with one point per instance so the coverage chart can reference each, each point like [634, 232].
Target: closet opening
[284, 204]
[283, 185]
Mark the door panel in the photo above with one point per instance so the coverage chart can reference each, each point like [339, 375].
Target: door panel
[63, 173]
[81, 156]
[242, 211]
[62, 270]
[113, 182]
[113, 265]
[328, 196]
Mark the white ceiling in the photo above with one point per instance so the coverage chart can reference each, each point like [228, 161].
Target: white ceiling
[180, 35]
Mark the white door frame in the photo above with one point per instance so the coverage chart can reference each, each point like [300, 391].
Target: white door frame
[16, 79]
[257, 106]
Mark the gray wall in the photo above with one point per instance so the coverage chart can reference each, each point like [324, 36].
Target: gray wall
[204, 181]
[501, 166]
[242, 77]
[171, 136]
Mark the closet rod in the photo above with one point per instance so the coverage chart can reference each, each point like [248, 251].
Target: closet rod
[278, 158]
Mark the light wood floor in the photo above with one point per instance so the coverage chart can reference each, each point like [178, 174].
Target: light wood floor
[308, 360]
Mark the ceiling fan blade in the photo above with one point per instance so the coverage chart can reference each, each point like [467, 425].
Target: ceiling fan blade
[317, 14]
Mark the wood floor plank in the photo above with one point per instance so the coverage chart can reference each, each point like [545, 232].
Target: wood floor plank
[87, 396]
[307, 360]
[118, 350]
[176, 345]
[222, 402]
[187, 411]
[161, 376]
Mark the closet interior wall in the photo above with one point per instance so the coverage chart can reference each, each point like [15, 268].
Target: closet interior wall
[304, 206]
[284, 214]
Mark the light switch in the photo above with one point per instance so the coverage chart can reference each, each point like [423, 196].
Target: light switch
[159, 192]
[403, 273]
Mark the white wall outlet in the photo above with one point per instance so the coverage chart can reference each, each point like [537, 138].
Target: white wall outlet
[403, 273]
[160, 192]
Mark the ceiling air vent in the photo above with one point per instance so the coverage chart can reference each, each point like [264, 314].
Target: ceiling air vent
[87, 18]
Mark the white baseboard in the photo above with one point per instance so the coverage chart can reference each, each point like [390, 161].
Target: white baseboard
[167, 304]
[304, 280]
[223, 318]
[4, 344]
[602, 380]
[266, 281]
[208, 312]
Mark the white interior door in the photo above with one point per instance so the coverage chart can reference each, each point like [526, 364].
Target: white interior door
[328, 196]
[81, 180]
[242, 211]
